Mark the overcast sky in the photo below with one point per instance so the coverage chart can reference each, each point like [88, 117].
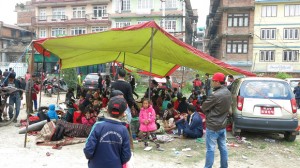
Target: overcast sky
[8, 15]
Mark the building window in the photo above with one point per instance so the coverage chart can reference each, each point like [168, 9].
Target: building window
[292, 10]
[267, 56]
[268, 34]
[98, 29]
[42, 14]
[79, 12]
[55, 32]
[269, 11]
[123, 5]
[145, 4]
[238, 46]
[170, 25]
[126, 5]
[122, 24]
[171, 3]
[291, 34]
[58, 13]
[290, 55]
[42, 33]
[238, 20]
[100, 11]
[78, 30]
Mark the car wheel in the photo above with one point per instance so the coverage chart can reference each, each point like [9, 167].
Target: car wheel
[234, 130]
[288, 136]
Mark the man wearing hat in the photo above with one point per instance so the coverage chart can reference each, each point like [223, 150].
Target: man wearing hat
[14, 98]
[108, 143]
[216, 107]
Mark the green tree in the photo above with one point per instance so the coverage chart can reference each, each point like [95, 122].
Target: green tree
[70, 77]
[282, 75]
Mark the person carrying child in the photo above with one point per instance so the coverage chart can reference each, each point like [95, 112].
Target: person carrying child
[108, 143]
[147, 123]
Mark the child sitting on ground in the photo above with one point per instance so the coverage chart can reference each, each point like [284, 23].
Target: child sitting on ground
[88, 119]
[52, 113]
[108, 143]
[147, 124]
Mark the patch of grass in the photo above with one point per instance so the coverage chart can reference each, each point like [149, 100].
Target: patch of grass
[263, 146]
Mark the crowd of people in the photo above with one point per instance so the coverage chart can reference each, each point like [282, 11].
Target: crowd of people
[160, 110]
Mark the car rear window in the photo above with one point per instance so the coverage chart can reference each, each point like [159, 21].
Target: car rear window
[294, 83]
[92, 77]
[265, 89]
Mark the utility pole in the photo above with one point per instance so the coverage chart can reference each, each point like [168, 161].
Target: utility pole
[163, 7]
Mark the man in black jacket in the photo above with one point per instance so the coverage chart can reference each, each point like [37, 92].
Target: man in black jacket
[124, 87]
[216, 107]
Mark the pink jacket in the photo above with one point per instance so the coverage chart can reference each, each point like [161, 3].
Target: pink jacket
[89, 122]
[147, 114]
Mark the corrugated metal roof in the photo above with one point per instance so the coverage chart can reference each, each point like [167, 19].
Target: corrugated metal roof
[14, 27]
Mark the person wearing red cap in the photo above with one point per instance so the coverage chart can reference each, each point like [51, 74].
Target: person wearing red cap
[216, 107]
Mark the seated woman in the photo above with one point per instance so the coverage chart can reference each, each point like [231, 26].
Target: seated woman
[168, 117]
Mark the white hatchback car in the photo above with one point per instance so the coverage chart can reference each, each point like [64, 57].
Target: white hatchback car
[264, 104]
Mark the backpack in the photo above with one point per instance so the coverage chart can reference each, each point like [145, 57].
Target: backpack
[197, 83]
[59, 133]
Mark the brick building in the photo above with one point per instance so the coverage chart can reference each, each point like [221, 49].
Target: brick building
[229, 31]
[13, 40]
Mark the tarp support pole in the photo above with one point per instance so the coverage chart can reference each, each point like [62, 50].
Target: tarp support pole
[58, 82]
[124, 61]
[42, 72]
[151, 53]
[182, 77]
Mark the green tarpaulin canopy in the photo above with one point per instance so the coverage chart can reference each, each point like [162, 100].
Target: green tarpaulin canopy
[133, 44]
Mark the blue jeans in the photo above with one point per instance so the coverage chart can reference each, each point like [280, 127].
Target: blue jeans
[180, 126]
[35, 104]
[14, 99]
[212, 139]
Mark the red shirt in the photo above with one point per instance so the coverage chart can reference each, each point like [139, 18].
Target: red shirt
[176, 104]
[104, 102]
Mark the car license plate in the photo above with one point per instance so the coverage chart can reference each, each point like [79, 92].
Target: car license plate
[267, 110]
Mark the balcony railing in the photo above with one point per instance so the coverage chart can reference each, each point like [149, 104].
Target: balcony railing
[50, 18]
[64, 18]
[92, 16]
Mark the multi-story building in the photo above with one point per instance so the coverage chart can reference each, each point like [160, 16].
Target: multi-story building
[229, 31]
[199, 40]
[13, 41]
[276, 41]
[70, 17]
[25, 12]
[169, 14]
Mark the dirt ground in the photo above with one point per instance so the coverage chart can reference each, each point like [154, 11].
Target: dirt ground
[257, 153]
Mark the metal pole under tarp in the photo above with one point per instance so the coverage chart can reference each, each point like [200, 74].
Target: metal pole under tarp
[151, 53]
[58, 83]
[42, 72]
[182, 78]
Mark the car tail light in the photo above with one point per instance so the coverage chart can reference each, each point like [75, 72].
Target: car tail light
[240, 103]
[294, 105]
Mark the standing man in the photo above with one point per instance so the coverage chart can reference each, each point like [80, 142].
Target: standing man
[168, 83]
[79, 85]
[229, 82]
[216, 107]
[197, 83]
[297, 95]
[100, 84]
[132, 83]
[207, 85]
[16, 97]
[124, 87]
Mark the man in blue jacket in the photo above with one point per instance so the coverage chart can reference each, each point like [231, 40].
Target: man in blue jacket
[108, 143]
[193, 125]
